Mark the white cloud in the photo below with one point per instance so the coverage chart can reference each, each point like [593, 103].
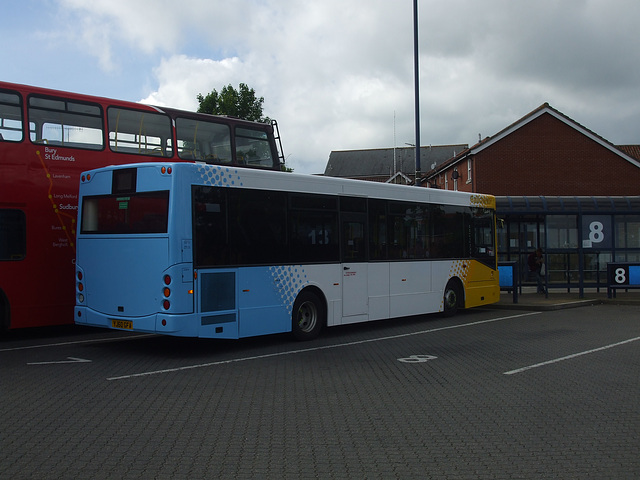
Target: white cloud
[333, 73]
[182, 78]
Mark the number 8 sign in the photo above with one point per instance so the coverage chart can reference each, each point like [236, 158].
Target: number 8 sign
[596, 231]
[624, 274]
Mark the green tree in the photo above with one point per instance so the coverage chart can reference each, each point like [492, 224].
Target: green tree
[241, 103]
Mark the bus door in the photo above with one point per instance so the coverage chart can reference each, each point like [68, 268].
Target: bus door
[217, 305]
[354, 266]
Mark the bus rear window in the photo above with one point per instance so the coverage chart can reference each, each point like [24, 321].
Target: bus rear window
[137, 213]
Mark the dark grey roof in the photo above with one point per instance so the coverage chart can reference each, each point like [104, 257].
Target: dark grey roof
[380, 161]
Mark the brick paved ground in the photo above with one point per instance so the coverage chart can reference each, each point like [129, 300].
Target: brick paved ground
[272, 408]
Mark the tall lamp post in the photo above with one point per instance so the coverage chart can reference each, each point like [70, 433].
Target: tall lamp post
[417, 87]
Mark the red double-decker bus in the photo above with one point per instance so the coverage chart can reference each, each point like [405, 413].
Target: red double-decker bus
[47, 138]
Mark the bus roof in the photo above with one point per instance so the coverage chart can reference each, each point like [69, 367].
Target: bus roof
[232, 177]
[29, 89]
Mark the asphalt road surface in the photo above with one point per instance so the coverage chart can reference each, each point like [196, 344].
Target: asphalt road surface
[486, 394]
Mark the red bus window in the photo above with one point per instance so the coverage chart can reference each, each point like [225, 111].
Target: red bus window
[10, 117]
[139, 133]
[65, 123]
[204, 141]
[13, 236]
[253, 148]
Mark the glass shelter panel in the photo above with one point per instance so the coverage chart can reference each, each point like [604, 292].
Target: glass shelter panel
[563, 268]
[562, 231]
[627, 231]
[595, 266]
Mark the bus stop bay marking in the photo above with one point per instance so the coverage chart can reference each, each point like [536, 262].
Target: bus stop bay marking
[569, 357]
[78, 342]
[417, 359]
[315, 349]
[69, 360]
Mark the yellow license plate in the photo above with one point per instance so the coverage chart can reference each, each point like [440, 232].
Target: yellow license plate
[126, 324]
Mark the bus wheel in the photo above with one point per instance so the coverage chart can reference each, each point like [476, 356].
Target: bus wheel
[452, 298]
[308, 316]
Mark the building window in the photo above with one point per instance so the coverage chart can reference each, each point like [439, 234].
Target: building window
[627, 231]
[468, 170]
[562, 231]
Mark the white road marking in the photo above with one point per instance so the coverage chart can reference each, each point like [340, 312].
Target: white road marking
[98, 340]
[315, 349]
[569, 357]
[70, 360]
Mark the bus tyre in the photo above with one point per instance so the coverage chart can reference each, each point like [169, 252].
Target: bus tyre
[308, 316]
[452, 298]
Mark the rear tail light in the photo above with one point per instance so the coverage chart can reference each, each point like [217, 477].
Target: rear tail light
[166, 291]
[80, 287]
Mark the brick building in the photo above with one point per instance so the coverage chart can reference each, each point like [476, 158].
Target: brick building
[544, 153]
[558, 186]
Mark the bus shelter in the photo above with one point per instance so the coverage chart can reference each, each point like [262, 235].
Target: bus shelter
[578, 235]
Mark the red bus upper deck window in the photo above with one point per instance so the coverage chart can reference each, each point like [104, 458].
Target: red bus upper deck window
[139, 132]
[10, 117]
[203, 141]
[253, 148]
[65, 123]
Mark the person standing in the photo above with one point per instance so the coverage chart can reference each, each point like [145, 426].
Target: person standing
[536, 262]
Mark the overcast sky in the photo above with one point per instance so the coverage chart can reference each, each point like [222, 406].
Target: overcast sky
[336, 73]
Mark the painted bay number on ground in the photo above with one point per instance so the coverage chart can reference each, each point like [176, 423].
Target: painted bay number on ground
[417, 359]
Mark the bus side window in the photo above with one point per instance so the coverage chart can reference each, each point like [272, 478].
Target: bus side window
[140, 133]
[447, 231]
[208, 142]
[10, 117]
[313, 228]
[482, 234]
[65, 123]
[210, 230]
[259, 235]
[253, 148]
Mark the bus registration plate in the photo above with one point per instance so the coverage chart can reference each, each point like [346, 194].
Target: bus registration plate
[126, 324]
